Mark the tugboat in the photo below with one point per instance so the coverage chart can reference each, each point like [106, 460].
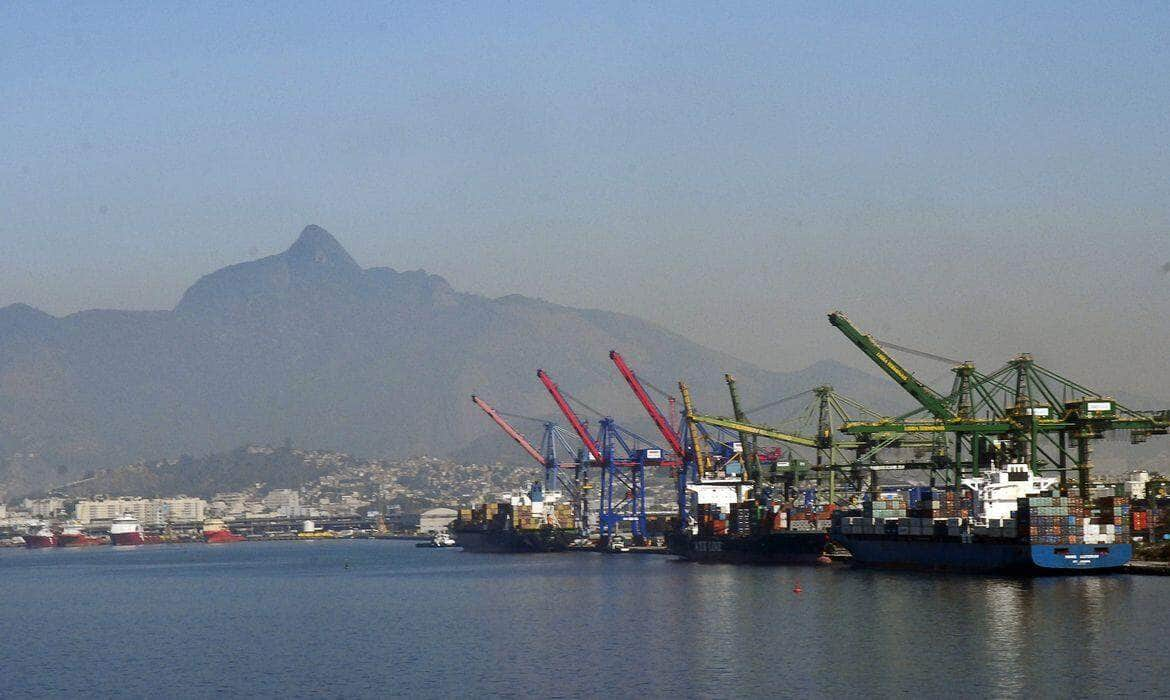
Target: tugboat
[215, 531]
[439, 539]
[40, 537]
[617, 544]
[73, 536]
[127, 531]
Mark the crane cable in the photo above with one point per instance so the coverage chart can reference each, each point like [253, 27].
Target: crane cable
[582, 404]
[648, 385]
[777, 402]
[920, 353]
[522, 417]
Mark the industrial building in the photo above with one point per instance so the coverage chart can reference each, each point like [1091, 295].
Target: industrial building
[436, 519]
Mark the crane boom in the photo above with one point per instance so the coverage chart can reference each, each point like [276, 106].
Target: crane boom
[664, 427]
[570, 415]
[754, 429]
[701, 464]
[507, 428]
[750, 457]
[923, 394]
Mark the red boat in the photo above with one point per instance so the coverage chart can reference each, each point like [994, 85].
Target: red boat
[127, 531]
[217, 532]
[40, 538]
[72, 536]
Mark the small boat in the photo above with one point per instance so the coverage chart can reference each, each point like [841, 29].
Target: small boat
[617, 544]
[40, 537]
[215, 531]
[127, 531]
[439, 539]
[73, 536]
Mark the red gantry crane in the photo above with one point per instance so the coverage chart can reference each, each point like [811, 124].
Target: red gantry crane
[570, 415]
[664, 427]
[625, 474]
[512, 432]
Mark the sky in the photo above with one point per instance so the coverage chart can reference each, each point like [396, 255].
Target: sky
[972, 179]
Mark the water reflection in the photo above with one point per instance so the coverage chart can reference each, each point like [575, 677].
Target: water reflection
[430, 623]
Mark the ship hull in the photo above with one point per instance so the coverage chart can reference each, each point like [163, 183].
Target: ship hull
[222, 537]
[513, 541]
[39, 541]
[786, 547]
[79, 541]
[992, 556]
[131, 539]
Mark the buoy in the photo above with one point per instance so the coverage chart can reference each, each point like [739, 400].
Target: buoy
[797, 589]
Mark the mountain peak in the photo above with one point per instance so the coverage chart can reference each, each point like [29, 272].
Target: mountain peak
[316, 261]
[316, 246]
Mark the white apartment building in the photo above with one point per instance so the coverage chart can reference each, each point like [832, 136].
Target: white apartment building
[44, 507]
[229, 504]
[149, 512]
[184, 510]
[285, 503]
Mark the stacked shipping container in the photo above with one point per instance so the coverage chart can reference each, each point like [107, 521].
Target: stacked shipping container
[559, 515]
[1049, 519]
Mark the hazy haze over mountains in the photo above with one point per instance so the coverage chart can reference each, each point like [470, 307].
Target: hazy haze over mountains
[974, 179]
[310, 346]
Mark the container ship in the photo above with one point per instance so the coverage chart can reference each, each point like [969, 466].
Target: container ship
[732, 527]
[796, 547]
[73, 536]
[215, 531]
[1004, 521]
[125, 530]
[532, 522]
[40, 537]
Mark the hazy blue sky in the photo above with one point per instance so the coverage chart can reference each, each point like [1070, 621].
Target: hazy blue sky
[975, 179]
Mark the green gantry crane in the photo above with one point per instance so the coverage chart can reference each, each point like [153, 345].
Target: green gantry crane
[1022, 412]
[832, 412]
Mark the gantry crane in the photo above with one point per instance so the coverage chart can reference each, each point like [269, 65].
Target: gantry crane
[751, 457]
[669, 433]
[1030, 414]
[664, 427]
[926, 396]
[854, 459]
[618, 473]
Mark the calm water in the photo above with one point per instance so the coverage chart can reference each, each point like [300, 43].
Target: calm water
[379, 618]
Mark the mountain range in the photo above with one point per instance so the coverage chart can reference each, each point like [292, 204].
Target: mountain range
[308, 346]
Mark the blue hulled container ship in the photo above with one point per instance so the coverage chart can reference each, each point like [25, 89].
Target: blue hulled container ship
[1004, 521]
[943, 553]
